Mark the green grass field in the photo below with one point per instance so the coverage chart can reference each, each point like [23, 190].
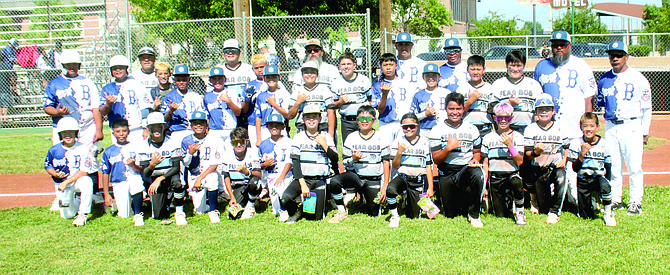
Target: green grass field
[39, 241]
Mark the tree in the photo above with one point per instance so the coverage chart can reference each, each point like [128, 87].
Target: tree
[494, 25]
[657, 20]
[62, 25]
[586, 22]
[421, 17]
[528, 28]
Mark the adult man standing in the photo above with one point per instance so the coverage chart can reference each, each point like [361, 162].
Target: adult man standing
[410, 68]
[146, 75]
[237, 75]
[626, 96]
[570, 82]
[454, 73]
[327, 72]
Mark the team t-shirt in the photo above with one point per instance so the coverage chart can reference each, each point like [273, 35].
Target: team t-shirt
[375, 150]
[554, 139]
[319, 95]
[500, 160]
[313, 159]
[415, 158]
[148, 81]
[467, 133]
[169, 149]
[357, 90]
[478, 113]
[594, 160]
[237, 79]
[231, 163]
[527, 90]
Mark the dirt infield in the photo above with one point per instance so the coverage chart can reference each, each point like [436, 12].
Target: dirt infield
[37, 189]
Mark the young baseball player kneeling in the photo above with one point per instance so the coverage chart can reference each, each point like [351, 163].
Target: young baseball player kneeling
[414, 163]
[242, 173]
[545, 146]
[119, 167]
[502, 152]
[276, 166]
[590, 157]
[203, 154]
[69, 164]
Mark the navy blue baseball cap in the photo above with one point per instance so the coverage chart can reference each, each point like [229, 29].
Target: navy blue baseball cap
[275, 118]
[431, 68]
[216, 71]
[560, 36]
[403, 37]
[198, 115]
[451, 43]
[617, 46]
[181, 70]
[271, 70]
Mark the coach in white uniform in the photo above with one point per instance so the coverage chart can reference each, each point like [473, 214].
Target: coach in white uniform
[410, 68]
[454, 73]
[625, 95]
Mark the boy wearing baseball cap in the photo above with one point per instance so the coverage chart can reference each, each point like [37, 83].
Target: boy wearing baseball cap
[545, 147]
[222, 106]
[180, 104]
[275, 100]
[241, 174]
[276, 163]
[428, 103]
[146, 75]
[238, 74]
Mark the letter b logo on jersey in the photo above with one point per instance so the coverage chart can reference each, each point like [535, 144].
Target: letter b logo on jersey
[403, 94]
[572, 78]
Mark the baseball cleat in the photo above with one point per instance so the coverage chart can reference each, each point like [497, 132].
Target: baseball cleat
[634, 209]
[214, 216]
[80, 220]
[394, 222]
[552, 218]
[180, 218]
[139, 219]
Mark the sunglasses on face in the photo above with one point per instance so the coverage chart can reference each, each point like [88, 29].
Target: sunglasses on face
[617, 55]
[312, 50]
[239, 142]
[452, 51]
[505, 118]
[230, 50]
[366, 118]
[561, 44]
[409, 126]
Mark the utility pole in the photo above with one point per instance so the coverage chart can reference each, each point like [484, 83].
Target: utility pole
[241, 8]
[385, 24]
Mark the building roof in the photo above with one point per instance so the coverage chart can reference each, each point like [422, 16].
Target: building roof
[624, 10]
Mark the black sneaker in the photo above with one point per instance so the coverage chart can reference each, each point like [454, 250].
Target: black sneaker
[617, 206]
[634, 209]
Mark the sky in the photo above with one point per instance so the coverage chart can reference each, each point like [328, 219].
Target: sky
[510, 8]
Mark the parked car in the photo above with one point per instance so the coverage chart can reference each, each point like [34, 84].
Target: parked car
[500, 52]
[589, 49]
[432, 56]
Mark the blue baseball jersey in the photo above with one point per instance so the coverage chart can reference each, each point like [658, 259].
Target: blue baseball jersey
[452, 77]
[624, 95]
[79, 94]
[220, 114]
[424, 99]
[264, 109]
[595, 159]
[467, 133]
[398, 100]
[113, 163]
[279, 150]
[188, 103]
[69, 160]
[132, 99]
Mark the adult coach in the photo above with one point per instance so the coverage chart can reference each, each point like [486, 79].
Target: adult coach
[626, 96]
[147, 74]
[327, 73]
[454, 73]
[410, 68]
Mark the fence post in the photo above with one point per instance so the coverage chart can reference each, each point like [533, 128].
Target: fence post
[368, 43]
[653, 43]
[527, 43]
[128, 29]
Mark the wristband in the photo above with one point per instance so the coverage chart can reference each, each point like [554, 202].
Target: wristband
[532, 153]
[512, 151]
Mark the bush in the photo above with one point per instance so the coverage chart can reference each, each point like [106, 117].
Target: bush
[639, 50]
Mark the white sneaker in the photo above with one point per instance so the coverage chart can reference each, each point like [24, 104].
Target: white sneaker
[214, 216]
[80, 220]
[520, 218]
[139, 219]
[54, 205]
[338, 217]
[248, 213]
[180, 218]
[476, 223]
[283, 215]
[552, 218]
[293, 219]
[394, 222]
[609, 219]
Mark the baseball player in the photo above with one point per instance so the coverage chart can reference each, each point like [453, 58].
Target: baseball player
[119, 167]
[202, 155]
[412, 159]
[275, 100]
[180, 104]
[392, 96]
[147, 75]
[428, 104]
[312, 154]
[311, 92]
[69, 163]
[252, 90]
[163, 73]
[545, 147]
[502, 154]
[160, 156]
[456, 149]
[366, 157]
[125, 98]
[351, 90]
[242, 173]
[478, 96]
[625, 95]
[518, 90]
[410, 68]
[327, 73]
[453, 73]
[590, 156]
[237, 74]
[275, 154]
[222, 106]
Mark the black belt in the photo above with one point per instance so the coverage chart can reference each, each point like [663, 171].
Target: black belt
[373, 178]
[315, 177]
[350, 118]
[411, 178]
[621, 121]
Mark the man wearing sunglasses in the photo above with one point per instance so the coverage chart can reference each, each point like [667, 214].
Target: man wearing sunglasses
[327, 72]
[626, 96]
[237, 74]
[454, 73]
[410, 68]
[570, 82]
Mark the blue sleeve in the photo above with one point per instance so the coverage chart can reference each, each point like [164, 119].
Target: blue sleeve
[166, 103]
[376, 94]
[48, 161]
[109, 89]
[105, 166]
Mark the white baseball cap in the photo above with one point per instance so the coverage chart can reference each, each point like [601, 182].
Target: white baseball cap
[155, 118]
[231, 43]
[70, 56]
[67, 124]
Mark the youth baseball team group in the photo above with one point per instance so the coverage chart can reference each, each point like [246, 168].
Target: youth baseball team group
[446, 141]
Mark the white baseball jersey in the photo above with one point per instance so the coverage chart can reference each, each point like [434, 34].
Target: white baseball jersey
[467, 133]
[500, 160]
[237, 79]
[327, 74]
[358, 90]
[319, 95]
[624, 95]
[452, 77]
[113, 162]
[527, 90]
[170, 149]
[478, 113]
[69, 160]
[415, 158]
[554, 139]
[131, 99]
[280, 151]
[80, 95]
[374, 149]
[210, 153]
[149, 80]
[411, 70]
[398, 100]
[569, 85]
[595, 159]
[434, 99]
[231, 163]
[313, 159]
